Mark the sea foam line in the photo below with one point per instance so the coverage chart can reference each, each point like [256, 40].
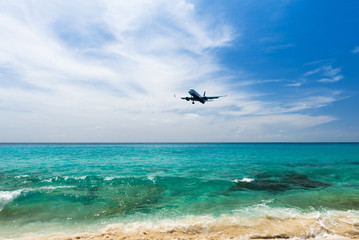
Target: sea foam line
[270, 225]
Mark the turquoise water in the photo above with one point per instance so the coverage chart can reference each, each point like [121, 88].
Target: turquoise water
[81, 187]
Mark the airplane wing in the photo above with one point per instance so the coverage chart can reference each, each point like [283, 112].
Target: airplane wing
[188, 98]
[214, 97]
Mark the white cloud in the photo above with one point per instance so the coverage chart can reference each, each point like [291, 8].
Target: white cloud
[107, 71]
[189, 116]
[327, 74]
[331, 80]
[266, 128]
[295, 84]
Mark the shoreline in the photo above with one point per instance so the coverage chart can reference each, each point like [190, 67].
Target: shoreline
[222, 228]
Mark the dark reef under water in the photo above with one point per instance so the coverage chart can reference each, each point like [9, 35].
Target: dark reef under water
[266, 182]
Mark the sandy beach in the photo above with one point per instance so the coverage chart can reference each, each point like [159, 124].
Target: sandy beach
[270, 228]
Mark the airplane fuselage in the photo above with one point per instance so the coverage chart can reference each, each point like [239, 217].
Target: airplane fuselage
[196, 96]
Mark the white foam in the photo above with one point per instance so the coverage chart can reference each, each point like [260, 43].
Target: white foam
[246, 180]
[54, 179]
[52, 187]
[151, 178]
[325, 224]
[73, 177]
[22, 176]
[108, 178]
[8, 196]
[243, 180]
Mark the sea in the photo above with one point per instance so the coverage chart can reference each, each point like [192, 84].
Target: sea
[288, 190]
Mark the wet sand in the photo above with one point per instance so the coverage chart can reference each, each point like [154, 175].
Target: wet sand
[269, 228]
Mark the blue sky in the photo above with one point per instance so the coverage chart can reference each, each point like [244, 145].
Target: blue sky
[106, 71]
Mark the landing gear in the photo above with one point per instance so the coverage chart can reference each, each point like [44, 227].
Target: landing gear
[192, 102]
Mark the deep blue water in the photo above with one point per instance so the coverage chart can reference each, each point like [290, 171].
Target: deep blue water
[74, 186]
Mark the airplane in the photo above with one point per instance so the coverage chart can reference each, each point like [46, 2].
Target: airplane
[195, 96]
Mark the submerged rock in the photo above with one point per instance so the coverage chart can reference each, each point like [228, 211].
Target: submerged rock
[303, 181]
[261, 185]
[286, 182]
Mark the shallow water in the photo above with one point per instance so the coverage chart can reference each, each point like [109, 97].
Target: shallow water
[52, 188]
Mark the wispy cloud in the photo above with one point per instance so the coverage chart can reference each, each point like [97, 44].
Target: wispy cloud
[143, 59]
[356, 50]
[327, 74]
[107, 71]
[295, 84]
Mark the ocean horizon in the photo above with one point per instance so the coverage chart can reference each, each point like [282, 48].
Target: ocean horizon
[179, 190]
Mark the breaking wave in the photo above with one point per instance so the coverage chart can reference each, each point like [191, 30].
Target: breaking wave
[7, 197]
